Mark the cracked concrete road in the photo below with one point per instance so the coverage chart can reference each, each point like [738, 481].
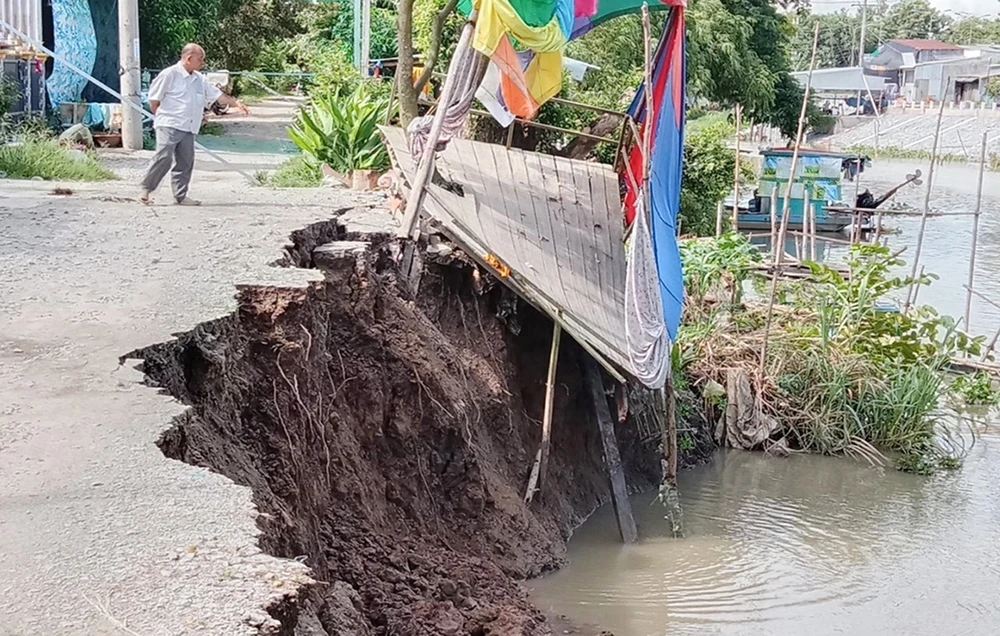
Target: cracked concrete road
[99, 532]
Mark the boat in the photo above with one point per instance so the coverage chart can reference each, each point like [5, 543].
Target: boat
[817, 186]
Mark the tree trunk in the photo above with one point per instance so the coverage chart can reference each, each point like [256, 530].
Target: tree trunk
[435, 52]
[581, 147]
[406, 92]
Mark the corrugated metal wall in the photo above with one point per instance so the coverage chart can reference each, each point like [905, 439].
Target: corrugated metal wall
[24, 15]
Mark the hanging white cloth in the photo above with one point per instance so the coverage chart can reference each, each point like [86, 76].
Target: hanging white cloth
[646, 333]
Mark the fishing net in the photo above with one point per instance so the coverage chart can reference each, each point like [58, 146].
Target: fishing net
[645, 327]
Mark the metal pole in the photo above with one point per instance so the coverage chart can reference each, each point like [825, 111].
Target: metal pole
[417, 191]
[975, 235]
[128, 67]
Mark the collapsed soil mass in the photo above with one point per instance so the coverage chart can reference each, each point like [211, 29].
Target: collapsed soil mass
[388, 440]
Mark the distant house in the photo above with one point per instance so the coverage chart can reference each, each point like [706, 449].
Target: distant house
[896, 55]
[932, 70]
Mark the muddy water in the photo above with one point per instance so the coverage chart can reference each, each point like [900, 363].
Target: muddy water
[815, 545]
[808, 545]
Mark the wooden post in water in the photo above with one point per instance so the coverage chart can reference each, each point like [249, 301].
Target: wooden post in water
[736, 180]
[975, 235]
[927, 207]
[788, 198]
[537, 479]
[612, 457]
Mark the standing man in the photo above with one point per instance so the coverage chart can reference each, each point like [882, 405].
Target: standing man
[178, 97]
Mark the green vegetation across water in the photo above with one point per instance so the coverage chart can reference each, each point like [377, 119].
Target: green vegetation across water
[845, 372]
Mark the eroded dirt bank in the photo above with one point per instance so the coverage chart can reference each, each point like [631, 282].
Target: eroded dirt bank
[388, 440]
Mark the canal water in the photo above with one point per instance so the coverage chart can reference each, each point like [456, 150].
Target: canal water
[818, 545]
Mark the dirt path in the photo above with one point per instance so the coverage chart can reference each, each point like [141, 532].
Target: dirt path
[98, 530]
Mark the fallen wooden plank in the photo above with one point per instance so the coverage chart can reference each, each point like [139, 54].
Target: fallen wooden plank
[612, 457]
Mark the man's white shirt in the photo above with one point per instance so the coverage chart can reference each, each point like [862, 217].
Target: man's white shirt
[183, 98]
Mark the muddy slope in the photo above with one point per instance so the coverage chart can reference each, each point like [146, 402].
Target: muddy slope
[388, 441]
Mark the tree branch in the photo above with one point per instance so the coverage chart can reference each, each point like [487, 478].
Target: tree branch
[432, 55]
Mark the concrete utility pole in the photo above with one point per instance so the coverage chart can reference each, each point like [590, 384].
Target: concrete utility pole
[128, 69]
[362, 34]
[861, 52]
[864, 29]
[366, 36]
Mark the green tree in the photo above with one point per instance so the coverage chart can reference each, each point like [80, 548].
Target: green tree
[709, 166]
[839, 34]
[973, 30]
[914, 20]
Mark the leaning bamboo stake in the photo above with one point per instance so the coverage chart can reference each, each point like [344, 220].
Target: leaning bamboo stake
[537, 479]
[719, 213]
[668, 430]
[975, 236]
[927, 207]
[426, 167]
[736, 179]
[788, 199]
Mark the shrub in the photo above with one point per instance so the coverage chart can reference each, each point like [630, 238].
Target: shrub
[341, 130]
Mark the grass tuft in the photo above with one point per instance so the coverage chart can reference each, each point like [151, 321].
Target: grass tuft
[46, 159]
[296, 172]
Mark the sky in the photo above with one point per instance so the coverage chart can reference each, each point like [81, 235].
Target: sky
[979, 7]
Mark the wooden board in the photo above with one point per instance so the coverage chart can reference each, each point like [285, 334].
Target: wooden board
[557, 223]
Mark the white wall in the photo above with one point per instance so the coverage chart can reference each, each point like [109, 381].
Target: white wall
[23, 15]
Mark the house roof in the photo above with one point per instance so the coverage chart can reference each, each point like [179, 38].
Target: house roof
[926, 45]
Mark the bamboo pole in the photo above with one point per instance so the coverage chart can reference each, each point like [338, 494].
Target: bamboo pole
[647, 137]
[811, 213]
[719, 214]
[788, 198]
[537, 479]
[736, 179]
[916, 292]
[774, 222]
[927, 207]
[991, 346]
[670, 437]
[426, 167]
[975, 236]
[668, 429]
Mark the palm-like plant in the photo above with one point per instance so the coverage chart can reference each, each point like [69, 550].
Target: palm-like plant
[341, 130]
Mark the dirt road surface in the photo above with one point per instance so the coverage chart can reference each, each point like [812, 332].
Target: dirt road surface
[99, 532]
